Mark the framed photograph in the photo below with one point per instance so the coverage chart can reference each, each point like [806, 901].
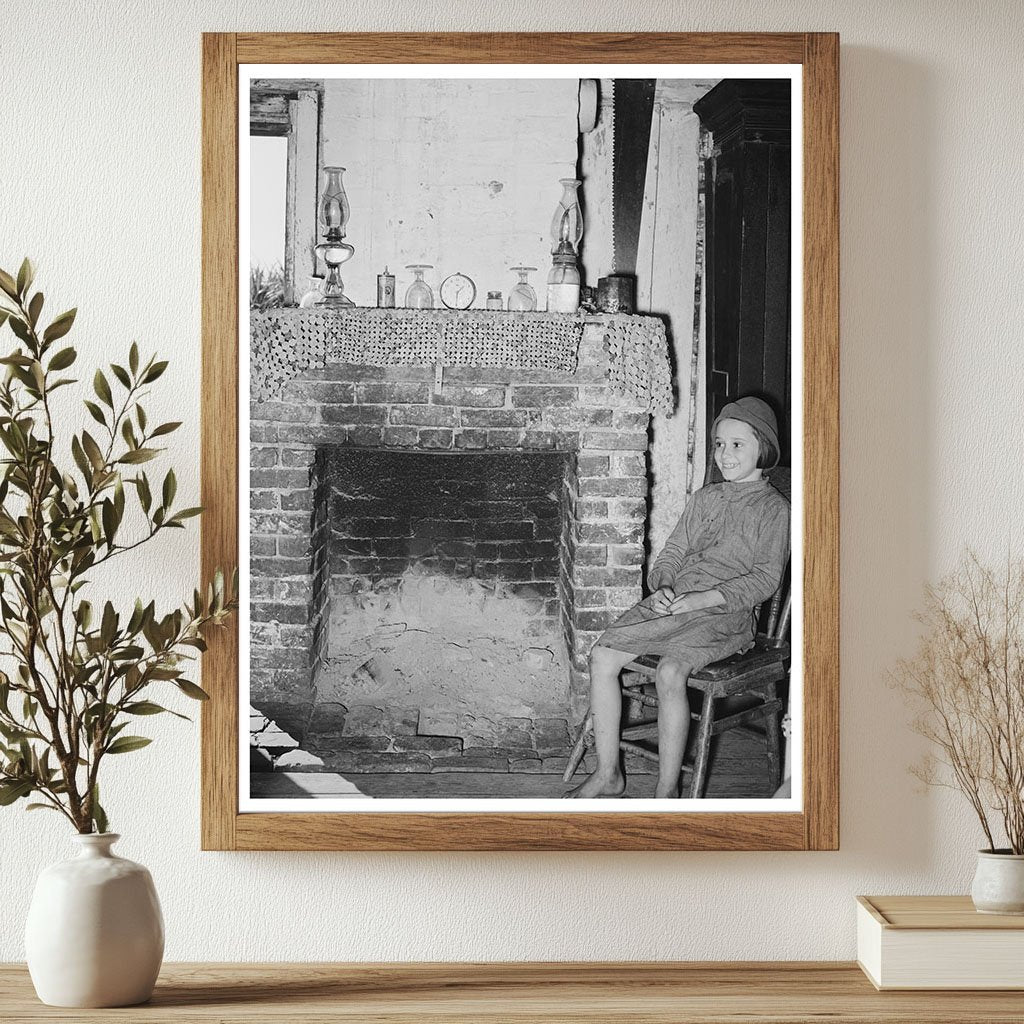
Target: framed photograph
[520, 419]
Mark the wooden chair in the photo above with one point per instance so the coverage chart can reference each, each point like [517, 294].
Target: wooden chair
[753, 674]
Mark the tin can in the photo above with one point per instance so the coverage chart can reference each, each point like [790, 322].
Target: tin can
[616, 293]
[386, 290]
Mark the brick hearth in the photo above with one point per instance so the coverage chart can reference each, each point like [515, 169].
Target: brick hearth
[602, 433]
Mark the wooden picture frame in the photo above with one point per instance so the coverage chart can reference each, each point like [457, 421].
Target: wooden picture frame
[815, 827]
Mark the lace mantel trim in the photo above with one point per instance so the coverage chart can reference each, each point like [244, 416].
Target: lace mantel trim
[286, 342]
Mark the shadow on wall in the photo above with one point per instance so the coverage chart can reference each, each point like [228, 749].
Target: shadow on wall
[887, 205]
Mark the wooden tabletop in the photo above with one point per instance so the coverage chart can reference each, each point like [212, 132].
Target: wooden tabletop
[543, 993]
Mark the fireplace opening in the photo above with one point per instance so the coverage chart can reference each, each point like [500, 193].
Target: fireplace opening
[444, 603]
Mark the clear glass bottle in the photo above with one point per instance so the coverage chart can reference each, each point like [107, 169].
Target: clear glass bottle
[568, 204]
[522, 297]
[493, 300]
[419, 295]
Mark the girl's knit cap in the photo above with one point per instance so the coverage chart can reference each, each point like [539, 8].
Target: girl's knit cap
[756, 413]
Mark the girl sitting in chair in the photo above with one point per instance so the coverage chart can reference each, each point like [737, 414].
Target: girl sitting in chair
[726, 555]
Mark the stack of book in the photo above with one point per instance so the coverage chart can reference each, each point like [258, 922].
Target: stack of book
[938, 942]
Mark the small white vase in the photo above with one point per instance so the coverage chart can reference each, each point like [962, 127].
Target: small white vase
[95, 934]
[999, 883]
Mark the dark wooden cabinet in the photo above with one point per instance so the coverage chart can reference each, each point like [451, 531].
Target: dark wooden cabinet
[747, 181]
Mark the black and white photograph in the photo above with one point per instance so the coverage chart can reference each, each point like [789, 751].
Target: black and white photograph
[520, 459]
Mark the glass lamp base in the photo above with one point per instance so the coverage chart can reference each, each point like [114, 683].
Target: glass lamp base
[335, 302]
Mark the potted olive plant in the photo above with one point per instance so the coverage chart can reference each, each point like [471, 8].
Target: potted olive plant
[967, 683]
[80, 673]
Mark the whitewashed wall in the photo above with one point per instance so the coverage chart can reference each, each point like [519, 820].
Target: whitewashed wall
[99, 180]
[461, 174]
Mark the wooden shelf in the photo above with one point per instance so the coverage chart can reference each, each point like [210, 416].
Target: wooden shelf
[793, 993]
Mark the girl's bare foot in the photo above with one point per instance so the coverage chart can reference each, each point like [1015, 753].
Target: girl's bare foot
[666, 791]
[599, 785]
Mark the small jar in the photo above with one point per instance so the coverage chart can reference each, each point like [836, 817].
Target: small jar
[493, 300]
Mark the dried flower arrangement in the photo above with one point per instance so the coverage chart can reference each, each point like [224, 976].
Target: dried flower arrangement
[967, 680]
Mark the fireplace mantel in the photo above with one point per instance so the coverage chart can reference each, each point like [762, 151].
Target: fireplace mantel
[285, 342]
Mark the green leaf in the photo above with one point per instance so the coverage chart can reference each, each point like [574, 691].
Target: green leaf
[95, 412]
[16, 359]
[130, 653]
[126, 744]
[165, 428]
[154, 372]
[26, 274]
[95, 711]
[99, 816]
[140, 415]
[84, 614]
[109, 521]
[138, 455]
[135, 622]
[108, 626]
[121, 374]
[92, 449]
[35, 308]
[42, 807]
[145, 497]
[60, 326]
[143, 707]
[128, 433]
[20, 329]
[185, 513]
[171, 674]
[147, 707]
[102, 388]
[14, 790]
[119, 499]
[63, 359]
[191, 690]
[170, 487]
[11, 733]
[133, 358]
[8, 285]
[80, 458]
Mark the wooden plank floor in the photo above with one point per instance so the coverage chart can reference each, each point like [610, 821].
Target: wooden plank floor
[523, 993]
[737, 771]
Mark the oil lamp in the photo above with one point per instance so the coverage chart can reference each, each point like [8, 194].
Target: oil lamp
[333, 250]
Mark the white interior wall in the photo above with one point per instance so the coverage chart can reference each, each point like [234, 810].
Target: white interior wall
[458, 173]
[101, 184]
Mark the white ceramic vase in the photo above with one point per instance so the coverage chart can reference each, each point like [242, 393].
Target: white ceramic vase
[999, 883]
[95, 934]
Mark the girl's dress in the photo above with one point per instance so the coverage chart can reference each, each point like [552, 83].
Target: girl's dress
[732, 537]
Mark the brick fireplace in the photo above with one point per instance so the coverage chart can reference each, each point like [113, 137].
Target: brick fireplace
[531, 482]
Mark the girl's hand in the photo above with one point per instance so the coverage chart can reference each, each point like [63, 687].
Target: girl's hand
[661, 600]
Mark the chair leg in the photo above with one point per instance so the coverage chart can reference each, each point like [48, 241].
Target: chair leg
[771, 740]
[579, 747]
[700, 763]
